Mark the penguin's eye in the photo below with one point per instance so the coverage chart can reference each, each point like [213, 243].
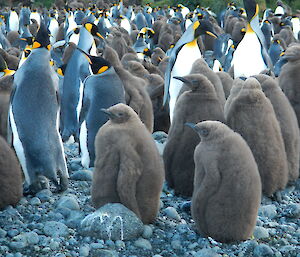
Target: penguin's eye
[204, 132]
[120, 114]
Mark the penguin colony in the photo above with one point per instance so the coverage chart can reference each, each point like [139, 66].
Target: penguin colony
[223, 87]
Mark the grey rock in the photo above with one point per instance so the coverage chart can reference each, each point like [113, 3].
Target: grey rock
[58, 254]
[269, 211]
[82, 175]
[260, 233]
[143, 243]
[44, 195]
[35, 201]
[120, 245]
[148, 232]
[55, 229]
[97, 245]
[263, 250]
[103, 253]
[69, 201]
[32, 238]
[207, 253]
[3, 233]
[172, 213]
[54, 245]
[289, 251]
[74, 219]
[176, 244]
[84, 251]
[12, 232]
[17, 245]
[112, 221]
[293, 211]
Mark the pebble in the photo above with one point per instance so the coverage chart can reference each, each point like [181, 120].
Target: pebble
[13, 232]
[293, 211]
[3, 233]
[82, 175]
[207, 253]
[35, 201]
[269, 211]
[44, 195]
[172, 213]
[120, 245]
[263, 250]
[55, 229]
[148, 231]
[260, 233]
[84, 250]
[176, 244]
[69, 201]
[143, 243]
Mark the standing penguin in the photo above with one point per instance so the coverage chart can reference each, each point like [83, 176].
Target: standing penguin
[34, 119]
[183, 55]
[13, 21]
[287, 120]
[102, 89]
[198, 104]
[252, 115]
[227, 186]
[76, 71]
[128, 168]
[250, 56]
[10, 176]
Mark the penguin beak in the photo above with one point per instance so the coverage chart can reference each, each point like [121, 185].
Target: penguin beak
[99, 35]
[9, 72]
[211, 34]
[184, 80]
[108, 113]
[192, 126]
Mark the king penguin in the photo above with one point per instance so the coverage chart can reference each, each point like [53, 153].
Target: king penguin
[182, 57]
[76, 71]
[102, 89]
[13, 21]
[250, 56]
[34, 119]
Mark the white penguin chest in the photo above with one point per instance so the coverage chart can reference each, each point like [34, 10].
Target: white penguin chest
[247, 58]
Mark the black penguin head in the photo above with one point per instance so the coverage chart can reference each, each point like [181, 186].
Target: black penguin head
[42, 38]
[4, 69]
[251, 8]
[119, 113]
[61, 70]
[203, 27]
[93, 29]
[147, 52]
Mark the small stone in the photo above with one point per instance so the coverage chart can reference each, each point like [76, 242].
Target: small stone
[3, 233]
[82, 175]
[172, 213]
[55, 229]
[54, 245]
[59, 254]
[44, 195]
[35, 201]
[207, 253]
[260, 233]
[193, 246]
[110, 244]
[32, 238]
[288, 250]
[13, 232]
[104, 253]
[84, 251]
[148, 231]
[17, 245]
[293, 211]
[120, 245]
[176, 244]
[263, 250]
[143, 243]
[269, 211]
[97, 245]
[69, 201]
[74, 219]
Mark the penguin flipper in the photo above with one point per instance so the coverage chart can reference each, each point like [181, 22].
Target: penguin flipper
[84, 109]
[129, 174]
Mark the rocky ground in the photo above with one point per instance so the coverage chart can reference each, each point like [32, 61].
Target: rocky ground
[50, 225]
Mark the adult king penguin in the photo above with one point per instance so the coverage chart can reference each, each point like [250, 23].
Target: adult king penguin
[34, 119]
[76, 71]
[250, 56]
[182, 57]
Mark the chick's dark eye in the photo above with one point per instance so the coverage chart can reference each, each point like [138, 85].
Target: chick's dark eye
[120, 114]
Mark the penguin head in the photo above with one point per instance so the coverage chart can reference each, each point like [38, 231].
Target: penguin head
[147, 52]
[42, 38]
[119, 113]
[203, 27]
[197, 82]
[61, 70]
[93, 29]
[252, 9]
[208, 130]
[4, 71]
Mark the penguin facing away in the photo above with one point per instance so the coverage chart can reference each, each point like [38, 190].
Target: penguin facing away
[183, 55]
[34, 119]
[252, 115]
[102, 89]
[199, 103]
[227, 186]
[128, 168]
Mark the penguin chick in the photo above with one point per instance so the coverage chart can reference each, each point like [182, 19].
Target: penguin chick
[252, 115]
[227, 186]
[128, 168]
[10, 176]
[199, 103]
